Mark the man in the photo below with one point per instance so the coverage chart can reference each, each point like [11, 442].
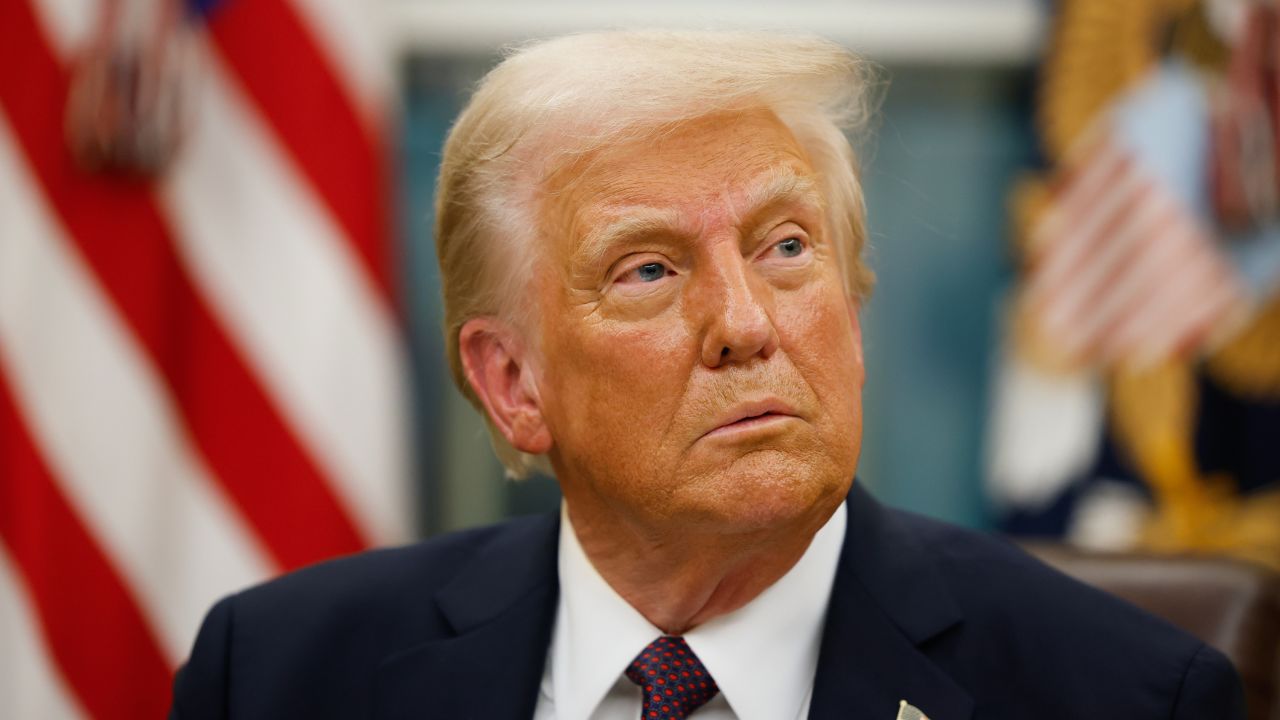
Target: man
[650, 246]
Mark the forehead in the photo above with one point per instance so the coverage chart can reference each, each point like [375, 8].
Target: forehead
[720, 165]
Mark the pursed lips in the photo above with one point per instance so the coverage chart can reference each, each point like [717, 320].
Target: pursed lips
[751, 413]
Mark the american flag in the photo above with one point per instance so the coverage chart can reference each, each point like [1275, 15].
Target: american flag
[1121, 271]
[201, 372]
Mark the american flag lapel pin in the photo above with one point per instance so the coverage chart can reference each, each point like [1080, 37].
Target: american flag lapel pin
[907, 711]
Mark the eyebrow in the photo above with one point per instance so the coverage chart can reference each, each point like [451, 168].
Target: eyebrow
[777, 187]
[635, 222]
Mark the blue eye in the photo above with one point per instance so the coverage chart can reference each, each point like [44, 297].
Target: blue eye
[650, 272]
[790, 247]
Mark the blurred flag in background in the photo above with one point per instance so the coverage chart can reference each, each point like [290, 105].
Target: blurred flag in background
[201, 365]
[1139, 400]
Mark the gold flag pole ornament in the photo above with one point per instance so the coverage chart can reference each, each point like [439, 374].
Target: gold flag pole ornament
[1102, 50]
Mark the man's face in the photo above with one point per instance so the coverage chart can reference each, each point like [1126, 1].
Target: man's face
[700, 361]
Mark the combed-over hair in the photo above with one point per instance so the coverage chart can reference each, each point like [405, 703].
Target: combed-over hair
[552, 101]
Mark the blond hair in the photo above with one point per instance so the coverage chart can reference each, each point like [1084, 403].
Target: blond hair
[551, 101]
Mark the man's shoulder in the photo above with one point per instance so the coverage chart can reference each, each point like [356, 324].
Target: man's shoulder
[994, 581]
[309, 643]
[1030, 632]
[387, 577]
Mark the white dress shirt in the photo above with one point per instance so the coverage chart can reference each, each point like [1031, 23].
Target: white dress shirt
[762, 655]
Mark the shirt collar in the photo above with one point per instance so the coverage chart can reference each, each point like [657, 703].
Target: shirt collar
[762, 655]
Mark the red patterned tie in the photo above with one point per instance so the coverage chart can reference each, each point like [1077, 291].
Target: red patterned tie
[673, 680]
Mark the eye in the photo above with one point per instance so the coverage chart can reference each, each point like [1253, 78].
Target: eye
[791, 247]
[649, 272]
[646, 273]
[788, 248]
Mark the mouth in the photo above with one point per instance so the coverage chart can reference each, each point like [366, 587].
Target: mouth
[752, 417]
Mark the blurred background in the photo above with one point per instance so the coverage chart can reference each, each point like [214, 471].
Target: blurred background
[220, 322]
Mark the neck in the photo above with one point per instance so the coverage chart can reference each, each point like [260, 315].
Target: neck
[679, 580]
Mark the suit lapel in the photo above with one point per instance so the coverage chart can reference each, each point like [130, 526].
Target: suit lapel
[501, 607]
[887, 603]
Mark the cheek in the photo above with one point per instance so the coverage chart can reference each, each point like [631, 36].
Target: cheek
[817, 333]
[620, 385]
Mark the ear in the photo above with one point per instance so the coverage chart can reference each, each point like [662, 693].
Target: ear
[501, 373]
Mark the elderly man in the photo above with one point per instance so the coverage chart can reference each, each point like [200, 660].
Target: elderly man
[650, 245]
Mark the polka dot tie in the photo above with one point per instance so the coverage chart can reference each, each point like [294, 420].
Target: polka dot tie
[673, 680]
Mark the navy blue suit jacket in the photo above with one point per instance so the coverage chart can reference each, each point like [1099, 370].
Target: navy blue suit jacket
[959, 624]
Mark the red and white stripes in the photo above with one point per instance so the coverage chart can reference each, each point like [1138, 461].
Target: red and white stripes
[1120, 270]
[200, 378]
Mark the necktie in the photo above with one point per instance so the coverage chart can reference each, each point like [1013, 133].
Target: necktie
[673, 680]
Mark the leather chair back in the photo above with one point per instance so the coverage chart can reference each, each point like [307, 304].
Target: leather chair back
[1232, 605]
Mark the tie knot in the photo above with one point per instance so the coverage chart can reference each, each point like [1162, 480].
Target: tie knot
[673, 679]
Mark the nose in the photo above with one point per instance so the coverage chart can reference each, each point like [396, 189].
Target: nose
[738, 321]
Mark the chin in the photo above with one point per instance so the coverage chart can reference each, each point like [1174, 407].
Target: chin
[770, 489]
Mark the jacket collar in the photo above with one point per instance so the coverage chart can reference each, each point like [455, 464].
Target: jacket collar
[501, 607]
[887, 605]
